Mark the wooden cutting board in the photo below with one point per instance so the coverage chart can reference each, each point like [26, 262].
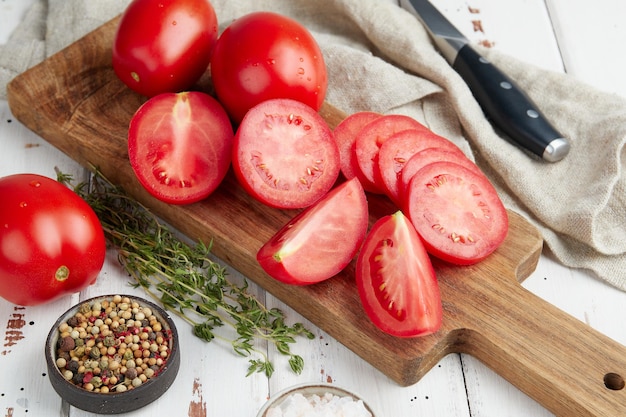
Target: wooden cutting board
[75, 102]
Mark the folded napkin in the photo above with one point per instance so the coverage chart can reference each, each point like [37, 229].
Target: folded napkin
[379, 58]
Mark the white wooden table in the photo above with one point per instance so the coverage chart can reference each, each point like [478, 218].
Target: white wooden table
[579, 37]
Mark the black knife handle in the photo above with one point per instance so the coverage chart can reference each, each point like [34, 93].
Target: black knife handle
[508, 107]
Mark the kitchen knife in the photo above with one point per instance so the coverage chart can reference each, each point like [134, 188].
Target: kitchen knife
[502, 101]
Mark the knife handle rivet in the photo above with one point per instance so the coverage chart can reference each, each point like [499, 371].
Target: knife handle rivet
[506, 85]
[532, 113]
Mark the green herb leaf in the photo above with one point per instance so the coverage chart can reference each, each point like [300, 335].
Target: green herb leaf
[185, 280]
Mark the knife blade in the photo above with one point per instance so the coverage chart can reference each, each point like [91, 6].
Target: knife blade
[504, 103]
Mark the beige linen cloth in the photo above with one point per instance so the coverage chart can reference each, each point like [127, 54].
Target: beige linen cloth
[379, 58]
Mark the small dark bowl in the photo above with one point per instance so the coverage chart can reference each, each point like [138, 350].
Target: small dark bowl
[114, 402]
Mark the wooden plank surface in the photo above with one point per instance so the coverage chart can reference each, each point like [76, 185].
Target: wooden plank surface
[83, 109]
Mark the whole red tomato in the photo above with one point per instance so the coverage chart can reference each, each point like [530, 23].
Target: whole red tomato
[164, 46]
[51, 242]
[263, 56]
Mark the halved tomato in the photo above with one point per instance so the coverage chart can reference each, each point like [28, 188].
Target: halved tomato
[320, 241]
[285, 154]
[179, 145]
[457, 212]
[396, 280]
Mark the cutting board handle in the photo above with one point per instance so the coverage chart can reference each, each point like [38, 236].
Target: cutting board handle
[561, 362]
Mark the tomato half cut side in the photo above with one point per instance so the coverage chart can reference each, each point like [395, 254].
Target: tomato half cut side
[285, 154]
[427, 156]
[345, 136]
[396, 280]
[320, 241]
[399, 148]
[370, 139]
[457, 212]
[179, 146]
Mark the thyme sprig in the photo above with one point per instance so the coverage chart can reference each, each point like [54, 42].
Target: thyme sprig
[185, 280]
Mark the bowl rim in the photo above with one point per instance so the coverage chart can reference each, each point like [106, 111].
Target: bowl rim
[324, 387]
[58, 381]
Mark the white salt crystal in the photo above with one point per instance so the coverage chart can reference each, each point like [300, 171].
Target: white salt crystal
[328, 405]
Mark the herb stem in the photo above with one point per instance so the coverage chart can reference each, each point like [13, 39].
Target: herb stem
[184, 279]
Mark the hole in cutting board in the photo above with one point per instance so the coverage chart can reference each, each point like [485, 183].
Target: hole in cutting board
[614, 381]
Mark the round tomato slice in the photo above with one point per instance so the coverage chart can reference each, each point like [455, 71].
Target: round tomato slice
[164, 46]
[457, 212]
[179, 145]
[372, 137]
[399, 148]
[265, 55]
[427, 156]
[285, 154]
[51, 244]
[396, 280]
[320, 241]
[345, 136]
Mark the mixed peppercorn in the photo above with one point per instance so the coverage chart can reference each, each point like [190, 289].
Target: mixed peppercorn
[112, 345]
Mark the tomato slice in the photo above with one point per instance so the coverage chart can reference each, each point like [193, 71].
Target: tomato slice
[427, 156]
[457, 212]
[320, 241]
[396, 280]
[399, 148]
[285, 154]
[345, 136]
[179, 145]
[371, 138]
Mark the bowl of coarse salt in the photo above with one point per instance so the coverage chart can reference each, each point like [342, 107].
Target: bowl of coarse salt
[316, 400]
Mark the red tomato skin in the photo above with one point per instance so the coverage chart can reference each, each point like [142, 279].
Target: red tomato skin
[345, 136]
[164, 46]
[398, 149]
[180, 146]
[46, 229]
[372, 136]
[457, 212]
[321, 240]
[265, 55]
[285, 155]
[425, 157]
[396, 280]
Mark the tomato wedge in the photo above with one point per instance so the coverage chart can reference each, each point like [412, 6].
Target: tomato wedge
[345, 136]
[285, 154]
[457, 212]
[371, 138]
[320, 241]
[179, 145]
[396, 280]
